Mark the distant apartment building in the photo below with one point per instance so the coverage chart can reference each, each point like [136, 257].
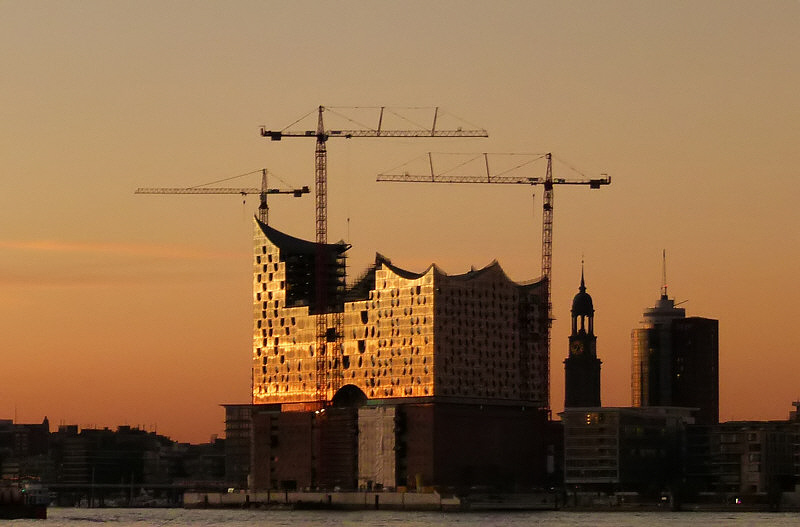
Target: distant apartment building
[238, 438]
[675, 361]
[652, 450]
[23, 449]
[623, 449]
[752, 457]
[745, 457]
[127, 454]
[90, 465]
[419, 378]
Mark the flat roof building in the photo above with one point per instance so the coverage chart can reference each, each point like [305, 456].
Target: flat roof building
[623, 449]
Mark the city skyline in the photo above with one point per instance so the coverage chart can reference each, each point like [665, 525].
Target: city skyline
[138, 309]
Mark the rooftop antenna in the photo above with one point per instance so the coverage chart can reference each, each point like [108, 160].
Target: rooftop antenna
[664, 274]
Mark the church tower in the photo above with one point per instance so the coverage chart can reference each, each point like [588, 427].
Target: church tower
[582, 367]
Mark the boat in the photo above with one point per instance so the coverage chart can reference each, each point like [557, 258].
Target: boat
[23, 501]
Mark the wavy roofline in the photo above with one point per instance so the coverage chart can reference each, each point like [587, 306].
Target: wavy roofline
[472, 274]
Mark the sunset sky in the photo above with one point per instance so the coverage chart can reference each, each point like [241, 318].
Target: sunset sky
[125, 309]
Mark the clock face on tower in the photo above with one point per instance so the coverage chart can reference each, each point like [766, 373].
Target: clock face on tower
[576, 348]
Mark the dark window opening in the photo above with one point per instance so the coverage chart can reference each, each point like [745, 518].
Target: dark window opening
[330, 335]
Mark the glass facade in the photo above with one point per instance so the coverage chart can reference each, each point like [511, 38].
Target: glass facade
[640, 367]
[404, 334]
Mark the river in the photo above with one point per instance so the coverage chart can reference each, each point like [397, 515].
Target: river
[69, 517]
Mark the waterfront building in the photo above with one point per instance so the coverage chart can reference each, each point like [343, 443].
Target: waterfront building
[238, 436]
[653, 450]
[23, 449]
[582, 367]
[619, 449]
[423, 378]
[751, 457]
[477, 335]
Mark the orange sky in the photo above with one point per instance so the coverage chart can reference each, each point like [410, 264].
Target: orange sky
[123, 309]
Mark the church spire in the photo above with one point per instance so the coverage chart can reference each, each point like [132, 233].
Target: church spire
[582, 367]
[582, 308]
[664, 274]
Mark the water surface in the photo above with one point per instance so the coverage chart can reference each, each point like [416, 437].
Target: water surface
[69, 517]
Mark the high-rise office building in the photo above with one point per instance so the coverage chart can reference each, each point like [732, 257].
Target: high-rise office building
[675, 360]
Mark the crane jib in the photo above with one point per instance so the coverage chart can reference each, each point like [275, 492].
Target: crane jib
[349, 134]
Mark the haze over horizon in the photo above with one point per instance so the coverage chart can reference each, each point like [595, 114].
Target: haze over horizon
[124, 309]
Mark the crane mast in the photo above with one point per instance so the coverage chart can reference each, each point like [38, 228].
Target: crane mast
[329, 320]
[326, 317]
[547, 237]
[547, 206]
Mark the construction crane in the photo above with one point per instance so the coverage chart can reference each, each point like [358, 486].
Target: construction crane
[263, 209]
[333, 318]
[487, 177]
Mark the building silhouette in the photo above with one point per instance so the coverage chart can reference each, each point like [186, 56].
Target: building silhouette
[616, 449]
[100, 466]
[582, 367]
[675, 360]
[430, 378]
